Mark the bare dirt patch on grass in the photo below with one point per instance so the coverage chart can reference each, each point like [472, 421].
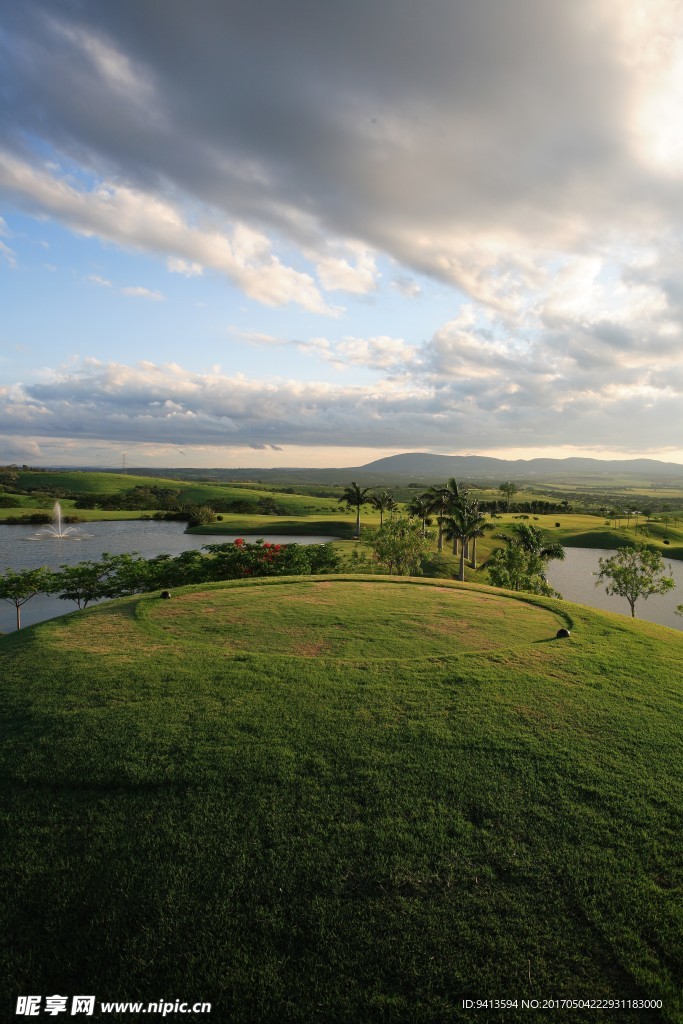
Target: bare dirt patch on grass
[105, 631]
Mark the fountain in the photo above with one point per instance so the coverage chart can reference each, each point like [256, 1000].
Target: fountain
[57, 530]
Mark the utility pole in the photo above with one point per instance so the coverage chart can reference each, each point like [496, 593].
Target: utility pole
[124, 464]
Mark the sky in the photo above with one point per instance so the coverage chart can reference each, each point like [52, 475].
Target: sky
[256, 233]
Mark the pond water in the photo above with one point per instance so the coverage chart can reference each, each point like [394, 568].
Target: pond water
[574, 580]
[28, 547]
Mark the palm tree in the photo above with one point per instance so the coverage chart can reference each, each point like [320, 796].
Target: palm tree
[530, 538]
[466, 523]
[355, 496]
[420, 507]
[383, 502]
[478, 530]
[444, 500]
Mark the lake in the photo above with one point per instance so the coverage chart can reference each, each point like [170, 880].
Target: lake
[22, 548]
[574, 580]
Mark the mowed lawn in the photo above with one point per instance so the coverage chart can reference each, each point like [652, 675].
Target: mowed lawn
[343, 799]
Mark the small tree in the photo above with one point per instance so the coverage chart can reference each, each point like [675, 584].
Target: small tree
[515, 568]
[201, 515]
[19, 587]
[508, 490]
[82, 583]
[400, 547]
[164, 571]
[523, 561]
[634, 572]
[112, 576]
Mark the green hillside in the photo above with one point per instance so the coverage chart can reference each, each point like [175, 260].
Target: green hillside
[343, 799]
[84, 483]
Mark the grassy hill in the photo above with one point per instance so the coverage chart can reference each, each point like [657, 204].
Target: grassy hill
[343, 799]
[192, 491]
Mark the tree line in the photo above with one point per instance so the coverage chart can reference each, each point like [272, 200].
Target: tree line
[461, 521]
[122, 575]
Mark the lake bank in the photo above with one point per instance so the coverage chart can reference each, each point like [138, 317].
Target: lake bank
[29, 547]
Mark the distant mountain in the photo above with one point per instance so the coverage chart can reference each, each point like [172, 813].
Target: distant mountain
[423, 464]
[426, 468]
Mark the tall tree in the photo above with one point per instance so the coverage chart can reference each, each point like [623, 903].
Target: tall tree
[634, 572]
[479, 529]
[509, 490]
[383, 502]
[465, 523]
[421, 507]
[355, 497]
[445, 500]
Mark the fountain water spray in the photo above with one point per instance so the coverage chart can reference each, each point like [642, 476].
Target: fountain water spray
[56, 529]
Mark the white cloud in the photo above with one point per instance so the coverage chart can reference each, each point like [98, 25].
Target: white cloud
[8, 254]
[184, 267]
[131, 291]
[336, 273]
[165, 404]
[542, 186]
[407, 286]
[449, 162]
[117, 71]
[377, 353]
[146, 221]
[259, 338]
[138, 292]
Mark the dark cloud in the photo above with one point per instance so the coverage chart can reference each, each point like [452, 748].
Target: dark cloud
[503, 147]
[167, 405]
[378, 121]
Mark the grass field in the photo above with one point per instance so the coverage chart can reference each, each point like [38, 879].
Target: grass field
[335, 525]
[578, 531]
[306, 514]
[200, 493]
[343, 799]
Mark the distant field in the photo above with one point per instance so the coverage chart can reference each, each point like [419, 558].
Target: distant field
[306, 514]
[86, 514]
[574, 531]
[622, 486]
[343, 799]
[199, 493]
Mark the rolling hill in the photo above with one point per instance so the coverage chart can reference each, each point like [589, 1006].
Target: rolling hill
[344, 798]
